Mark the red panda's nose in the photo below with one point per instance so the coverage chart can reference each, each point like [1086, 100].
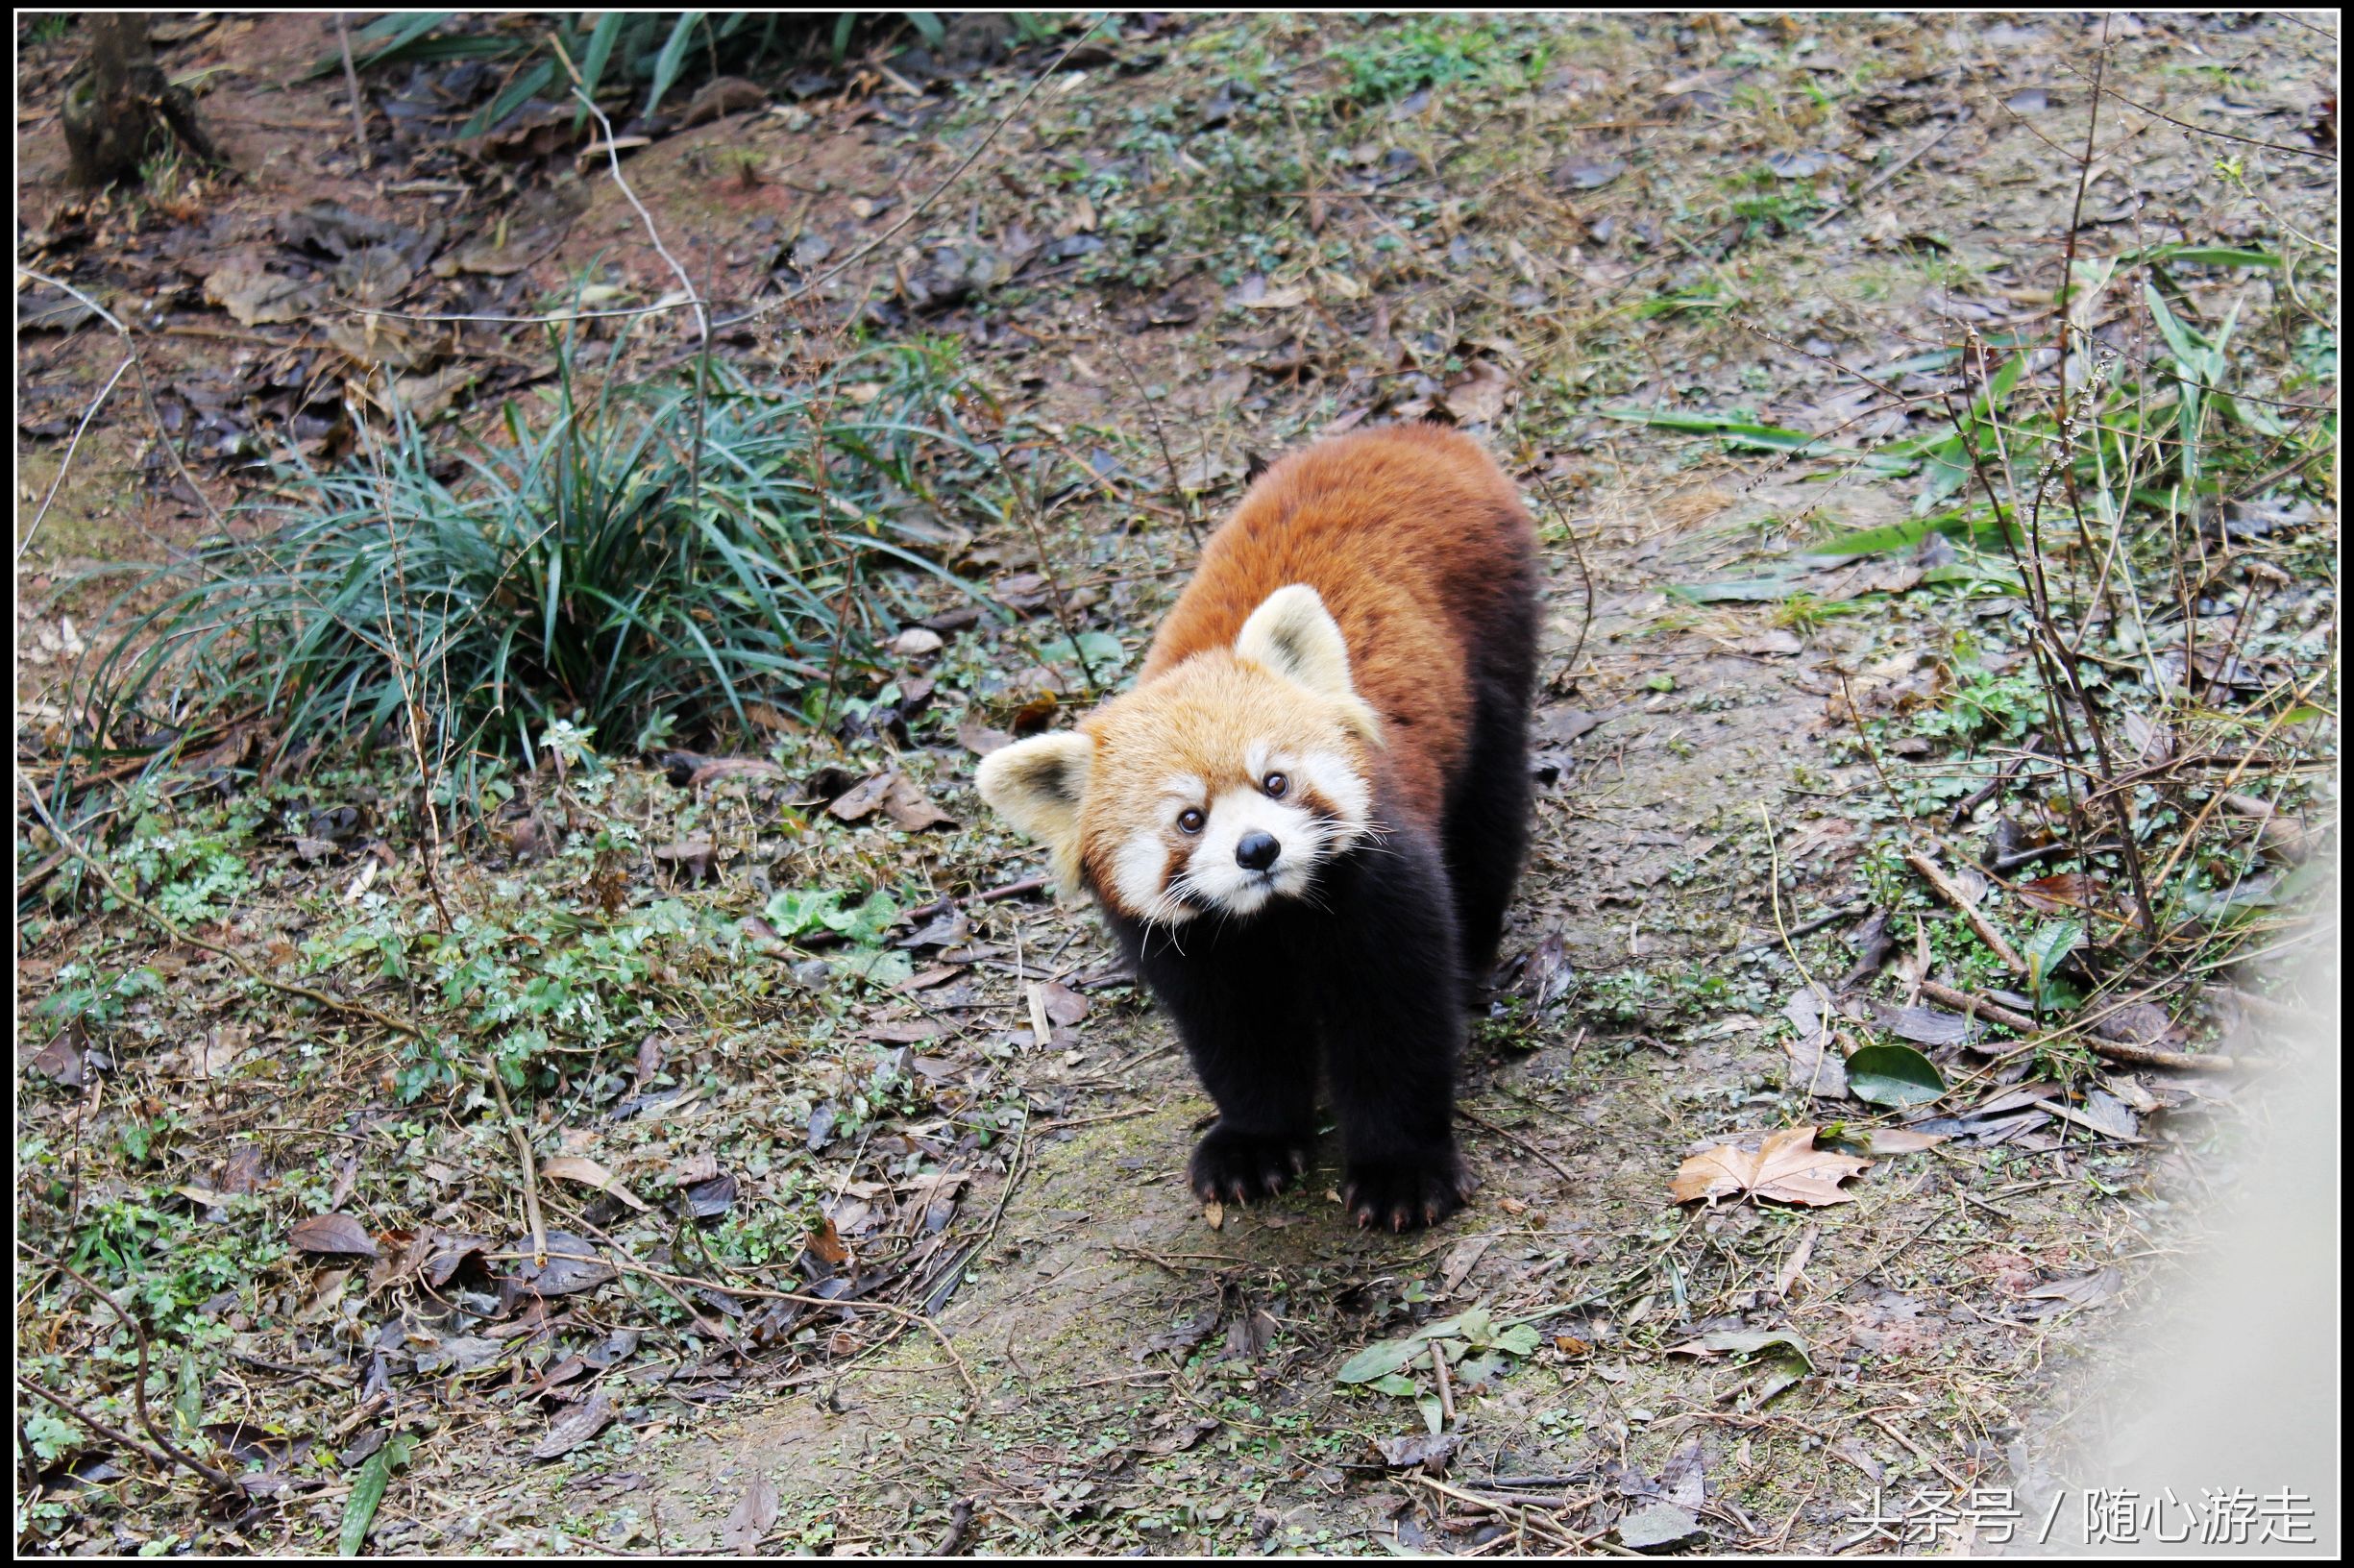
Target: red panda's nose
[1257, 851]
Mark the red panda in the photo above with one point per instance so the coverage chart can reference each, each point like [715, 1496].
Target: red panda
[1304, 822]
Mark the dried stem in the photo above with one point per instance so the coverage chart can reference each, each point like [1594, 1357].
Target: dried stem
[138, 1389]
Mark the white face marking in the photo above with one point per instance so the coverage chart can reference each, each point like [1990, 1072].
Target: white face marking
[1136, 873]
[1139, 864]
[1339, 786]
[1215, 875]
[1209, 876]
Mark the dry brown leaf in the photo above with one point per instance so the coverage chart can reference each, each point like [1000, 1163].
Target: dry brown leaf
[2064, 890]
[333, 1234]
[1887, 1141]
[1062, 1004]
[753, 1513]
[574, 1167]
[827, 1246]
[978, 738]
[1788, 1168]
[258, 298]
[1477, 398]
[910, 808]
[577, 1426]
[858, 803]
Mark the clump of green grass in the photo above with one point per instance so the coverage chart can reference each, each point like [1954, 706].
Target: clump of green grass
[623, 562]
[1409, 55]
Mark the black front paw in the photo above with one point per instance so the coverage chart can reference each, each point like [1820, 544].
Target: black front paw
[1401, 1194]
[1234, 1166]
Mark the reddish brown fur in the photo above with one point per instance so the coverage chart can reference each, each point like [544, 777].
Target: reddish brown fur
[1401, 532]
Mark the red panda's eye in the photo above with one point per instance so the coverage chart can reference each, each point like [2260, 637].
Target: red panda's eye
[1190, 819]
[1276, 784]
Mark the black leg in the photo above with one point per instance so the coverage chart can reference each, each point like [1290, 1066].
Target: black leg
[1241, 1009]
[1487, 830]
[1391, 995]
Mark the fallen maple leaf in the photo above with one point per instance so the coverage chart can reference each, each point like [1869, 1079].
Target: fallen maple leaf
[1787, 1169]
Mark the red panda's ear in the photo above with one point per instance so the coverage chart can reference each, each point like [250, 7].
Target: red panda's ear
[1294, 635]
[1038, 785]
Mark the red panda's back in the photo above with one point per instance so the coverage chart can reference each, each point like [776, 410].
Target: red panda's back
[1422, 553]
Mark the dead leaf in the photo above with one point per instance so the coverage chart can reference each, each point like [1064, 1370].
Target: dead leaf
[332, 1235]
[242, 1171]
[978, 738]
[859, 802]
[750, 1518]
[1794, 1267]
[1788, 1168]
[909, 809]
[690, 858]
[1185, 1436]
[573, 1264]
[1657, 1526]
[574, 1167]
[2064, 890]
[449, 1252]
[1817, 1066]
[2080, 1290]
[1460, 1259]
[1882, 1141]
[915, 641]
[689, 771]
[719, 98]
[1477, 398]
[61, 1059]
[827, 1246]
[259, 298]
[459, 1353]
[1288, 296]
[710, 1198]
[1420, 1449]
[2152, 739]
[1924, 1025]
[1062, 1004]
[579, 1424]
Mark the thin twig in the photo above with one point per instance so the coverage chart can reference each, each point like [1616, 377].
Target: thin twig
[146, 392]
[1029, 512]
[1951, 893]
[350, 77]
[629, 1265]
[804, 290]
[113, 1435]
[1585, 574]
[530, 1167]
[2115, 1050]
[2101, 90]
[1883, 177]
[139, 1389]
[693, 299]
[1109, 336]
[937, 192]
[66, 462]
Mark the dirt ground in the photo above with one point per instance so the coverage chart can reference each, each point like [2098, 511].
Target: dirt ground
[1197, 244]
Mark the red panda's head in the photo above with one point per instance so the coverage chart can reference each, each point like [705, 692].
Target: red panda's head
[1220, 785]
